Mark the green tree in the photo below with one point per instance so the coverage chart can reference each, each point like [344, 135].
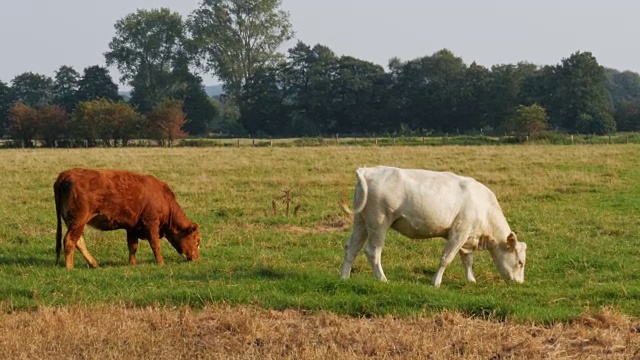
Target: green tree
[65, 87]
[32, 89]
[528, 121]
[96, 83]
[236, 38]
[581, 101]
[627, 115]
[427, 91]
[599, 123]
[105, 120]
[228, 120]
[6, 102]
[149, 51]
[199, 109]
[358, 102]
[474, 96]
[308, 81]
[505, 90]
[264, 112]
[623, 86]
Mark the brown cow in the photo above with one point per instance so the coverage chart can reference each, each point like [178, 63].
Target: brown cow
[113, 199]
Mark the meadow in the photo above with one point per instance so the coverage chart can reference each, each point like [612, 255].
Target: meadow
[576, 207]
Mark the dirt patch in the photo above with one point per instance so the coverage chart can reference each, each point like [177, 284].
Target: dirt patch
[324, 227]
[223, 332]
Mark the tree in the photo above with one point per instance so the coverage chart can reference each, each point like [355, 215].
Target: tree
[6, 102]
[65, 87]
[581, 101]
[149, 51]
[106, 120]
[165, 122]
[599, 123]
[358, 104]
[627, 115]
[308, 80]
[32, 89]
[264, 112]
[529, 121]
[228, 120]
[198, 107]
[52, 124]
[23, 124]
[96, 83]
[623, 86]
[125, 121]
[427, 91]
[505, 90]
[236, 38]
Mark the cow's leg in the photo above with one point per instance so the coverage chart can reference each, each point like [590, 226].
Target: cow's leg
[451, 248]
[467, 261]
[70, 241]
[132, 242]
[373, 250]
[82, 246]
[154, 241]
[353, 246]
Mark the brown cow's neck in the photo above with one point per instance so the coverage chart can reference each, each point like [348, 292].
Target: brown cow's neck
[178, 220]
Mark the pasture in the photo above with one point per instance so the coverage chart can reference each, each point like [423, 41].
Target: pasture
[577, 208]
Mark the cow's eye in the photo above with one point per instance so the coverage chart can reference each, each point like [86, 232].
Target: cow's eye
[520, 263]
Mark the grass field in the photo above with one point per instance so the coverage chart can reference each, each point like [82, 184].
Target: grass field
[577, 207]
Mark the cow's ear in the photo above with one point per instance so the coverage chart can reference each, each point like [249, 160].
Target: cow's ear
[512, 241]
[192, 228]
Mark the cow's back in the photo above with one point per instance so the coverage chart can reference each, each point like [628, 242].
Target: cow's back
[424, 199]
[114, 198]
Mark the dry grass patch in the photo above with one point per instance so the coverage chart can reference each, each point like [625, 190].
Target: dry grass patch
[243, 332]
[337, 224]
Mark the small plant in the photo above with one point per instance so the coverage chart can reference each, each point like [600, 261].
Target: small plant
[287, 199]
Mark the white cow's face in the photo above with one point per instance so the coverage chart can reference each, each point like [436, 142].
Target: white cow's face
[511, 260]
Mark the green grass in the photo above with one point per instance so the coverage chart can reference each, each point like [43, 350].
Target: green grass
[577, 207]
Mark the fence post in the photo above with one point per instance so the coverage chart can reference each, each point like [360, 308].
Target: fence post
[238, 143]
[336, 139]
[571, 139]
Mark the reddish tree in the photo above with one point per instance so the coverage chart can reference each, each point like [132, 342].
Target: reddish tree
[52, 124]
[23, 124]
[165, 122]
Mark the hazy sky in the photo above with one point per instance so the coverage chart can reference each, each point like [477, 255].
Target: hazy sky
[42, 35]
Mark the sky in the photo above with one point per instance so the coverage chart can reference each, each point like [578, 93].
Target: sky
[42, 35]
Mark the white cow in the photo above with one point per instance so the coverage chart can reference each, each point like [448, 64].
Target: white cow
[422, 204]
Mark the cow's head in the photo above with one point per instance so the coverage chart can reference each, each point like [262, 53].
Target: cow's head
[510, 259]
[186, 241]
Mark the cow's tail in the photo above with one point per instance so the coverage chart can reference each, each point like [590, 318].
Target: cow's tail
[58, 189]
[360, 193]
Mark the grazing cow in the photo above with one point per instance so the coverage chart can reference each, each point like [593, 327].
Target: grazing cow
[422, 204]
[112, 199]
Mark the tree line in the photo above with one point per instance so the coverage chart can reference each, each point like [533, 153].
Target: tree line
[308, 91]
